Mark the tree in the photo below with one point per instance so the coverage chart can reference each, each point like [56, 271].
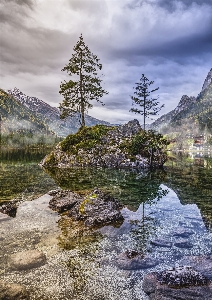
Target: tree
[147, 106]
[85, 86]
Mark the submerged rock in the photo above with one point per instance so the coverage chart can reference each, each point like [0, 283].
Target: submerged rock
[133, 260]
[177, 283]
[202, 264]
[162, 243]
[183, 232]
[27, 260]
[97, 209]
[12, 291]
[183, 243]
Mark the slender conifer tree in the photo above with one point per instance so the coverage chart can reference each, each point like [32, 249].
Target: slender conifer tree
[85, 84]
[142, 103]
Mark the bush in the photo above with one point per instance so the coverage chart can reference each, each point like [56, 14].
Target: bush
[85, 138]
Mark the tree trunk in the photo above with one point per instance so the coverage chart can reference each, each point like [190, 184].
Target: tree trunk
[81, 95]
[82, 114]
[144, 110]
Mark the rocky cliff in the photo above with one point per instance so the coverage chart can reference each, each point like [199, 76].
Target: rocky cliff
[192, 114]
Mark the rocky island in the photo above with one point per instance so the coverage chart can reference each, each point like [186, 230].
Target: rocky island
[124, 146]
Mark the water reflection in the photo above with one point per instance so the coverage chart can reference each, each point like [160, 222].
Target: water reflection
[81, 262]
[20, 176]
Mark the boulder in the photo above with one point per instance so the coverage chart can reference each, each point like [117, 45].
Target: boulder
[12, 291]
[105, 146]
[177, 284]
[63, 200]
[202, 264]
[9, 209]
[27, 260]
[133, 260]
[97, 209]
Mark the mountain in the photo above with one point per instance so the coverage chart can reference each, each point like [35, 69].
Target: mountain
[208, 80]
[15, 117]
[193, 115]
[51, 115]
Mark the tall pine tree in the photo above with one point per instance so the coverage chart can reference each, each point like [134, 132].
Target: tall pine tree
[146, 105]
[85, 85]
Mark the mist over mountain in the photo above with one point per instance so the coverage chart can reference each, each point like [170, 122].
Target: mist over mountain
[193, 115]
[51, 115]
[16, 117]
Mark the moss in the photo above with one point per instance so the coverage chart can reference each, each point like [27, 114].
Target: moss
[50, 160]
[87, 200]
[86, 138]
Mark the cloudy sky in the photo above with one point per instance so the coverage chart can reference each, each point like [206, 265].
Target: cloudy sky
[169, 41]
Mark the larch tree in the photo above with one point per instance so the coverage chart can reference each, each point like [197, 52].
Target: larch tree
[142, 102]
[85, 84]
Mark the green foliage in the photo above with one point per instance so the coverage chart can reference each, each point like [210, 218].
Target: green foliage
[19, 127]
[146, 106]
[196, 117]
[86, 138]
[149, 144]
[87, 87]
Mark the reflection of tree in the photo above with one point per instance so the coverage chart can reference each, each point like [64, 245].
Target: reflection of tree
[20, 175]
[130, 187]
[193, 184]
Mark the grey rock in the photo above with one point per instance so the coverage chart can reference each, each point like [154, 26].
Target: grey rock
[27, 260]
[63, 200]
[202, 264]
[9, 209]
[134, 262]
[12, 291]
[183, 243]
[157, 290]
[182, 232]
[97, 209]
[162, 243]
[109, 153]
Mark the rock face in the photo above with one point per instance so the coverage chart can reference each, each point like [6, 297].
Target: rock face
[177, 284]
[11, 291]
[208, 80]
[109, 150]
[27, 260]
[132, 260]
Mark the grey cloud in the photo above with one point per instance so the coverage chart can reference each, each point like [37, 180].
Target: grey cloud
[169, 5]
[91, 6]
[33, 50]
[29, 3]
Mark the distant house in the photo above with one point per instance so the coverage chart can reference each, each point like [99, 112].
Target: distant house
[199, 141]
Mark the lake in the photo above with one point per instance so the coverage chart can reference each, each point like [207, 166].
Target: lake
[82, 264]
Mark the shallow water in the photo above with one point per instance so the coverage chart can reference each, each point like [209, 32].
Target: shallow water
[81, 263]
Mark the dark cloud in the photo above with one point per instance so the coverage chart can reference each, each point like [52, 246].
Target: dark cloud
[29, 3]
[169, 5]
[169, 41]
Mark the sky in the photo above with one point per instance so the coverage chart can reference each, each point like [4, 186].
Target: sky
[169, 41]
